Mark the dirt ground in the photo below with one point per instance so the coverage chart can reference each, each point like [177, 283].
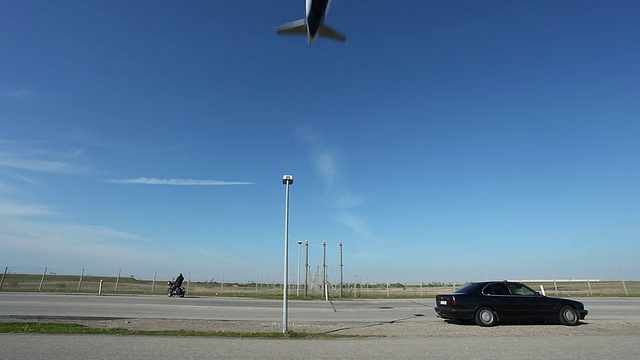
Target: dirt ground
[414, 328]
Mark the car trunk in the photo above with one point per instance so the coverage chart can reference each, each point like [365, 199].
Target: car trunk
[445, 300]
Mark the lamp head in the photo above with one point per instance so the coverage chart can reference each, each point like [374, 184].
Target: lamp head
[287, 179]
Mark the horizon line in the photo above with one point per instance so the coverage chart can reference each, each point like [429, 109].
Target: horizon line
[177, 182]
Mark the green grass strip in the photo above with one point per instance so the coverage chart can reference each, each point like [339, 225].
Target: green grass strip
[53, 328]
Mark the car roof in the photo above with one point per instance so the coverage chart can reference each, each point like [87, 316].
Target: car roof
[484, 283]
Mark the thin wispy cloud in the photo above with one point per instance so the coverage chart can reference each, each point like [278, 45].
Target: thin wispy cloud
[11, 161]
[355, 222]
[30, 157]
[177, 182]
[27, 180]
[324, 159]
[325, 162]
[366, 256]
[24, 210]
[67, 248]
[59, 244]
[346, 199]
[4, 187]
[16, 94]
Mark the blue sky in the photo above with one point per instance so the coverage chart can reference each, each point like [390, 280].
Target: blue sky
[444, 141]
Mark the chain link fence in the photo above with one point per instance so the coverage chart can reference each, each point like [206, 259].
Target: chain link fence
[23, 279]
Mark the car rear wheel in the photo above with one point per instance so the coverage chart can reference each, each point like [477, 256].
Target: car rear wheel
[485, 317]
[569, 316]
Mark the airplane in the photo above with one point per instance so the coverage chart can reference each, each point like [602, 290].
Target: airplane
[313, 23]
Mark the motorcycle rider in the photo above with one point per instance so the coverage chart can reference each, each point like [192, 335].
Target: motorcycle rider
[178, 283]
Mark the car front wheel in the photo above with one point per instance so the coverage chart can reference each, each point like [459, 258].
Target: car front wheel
[569, 316]
[485, 317]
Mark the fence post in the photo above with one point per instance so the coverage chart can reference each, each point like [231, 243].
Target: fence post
[153, 284]
[117, 281]
[623, 284]
[188, 281]
[42, 280]
[589, 283]
[387, 287]
[100, 288]
[355, 287]
[80, 282]
[3, 275]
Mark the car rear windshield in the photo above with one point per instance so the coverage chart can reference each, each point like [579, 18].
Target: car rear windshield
[469, 288]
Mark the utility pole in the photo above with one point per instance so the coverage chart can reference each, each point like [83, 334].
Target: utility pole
[306, 269]
[324, 270]
[341, 271]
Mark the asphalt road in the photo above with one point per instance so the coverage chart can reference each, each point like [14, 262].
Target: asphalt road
[211, 308]
[89, 347]
[469, 342]
[35, 304]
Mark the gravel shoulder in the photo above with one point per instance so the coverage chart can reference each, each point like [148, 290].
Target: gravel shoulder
[414, 328]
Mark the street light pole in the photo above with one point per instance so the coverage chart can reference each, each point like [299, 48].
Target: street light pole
[298, 287]
[287, 180]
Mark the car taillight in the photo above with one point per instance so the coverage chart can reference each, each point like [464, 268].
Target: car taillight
[453, 301]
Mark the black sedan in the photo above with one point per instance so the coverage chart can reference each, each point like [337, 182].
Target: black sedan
[490, 302]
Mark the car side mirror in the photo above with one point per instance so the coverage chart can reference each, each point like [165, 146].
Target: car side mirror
[538, 293]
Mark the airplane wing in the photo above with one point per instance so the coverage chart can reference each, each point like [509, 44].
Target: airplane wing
[328, 32]
[294, 27]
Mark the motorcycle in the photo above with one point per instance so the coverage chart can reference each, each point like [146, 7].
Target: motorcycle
[179, 291]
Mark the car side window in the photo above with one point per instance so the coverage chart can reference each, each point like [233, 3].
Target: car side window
[520, 289]
[496, 289]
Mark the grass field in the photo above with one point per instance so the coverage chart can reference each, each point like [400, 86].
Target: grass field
[129, 285]
[55, 328]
